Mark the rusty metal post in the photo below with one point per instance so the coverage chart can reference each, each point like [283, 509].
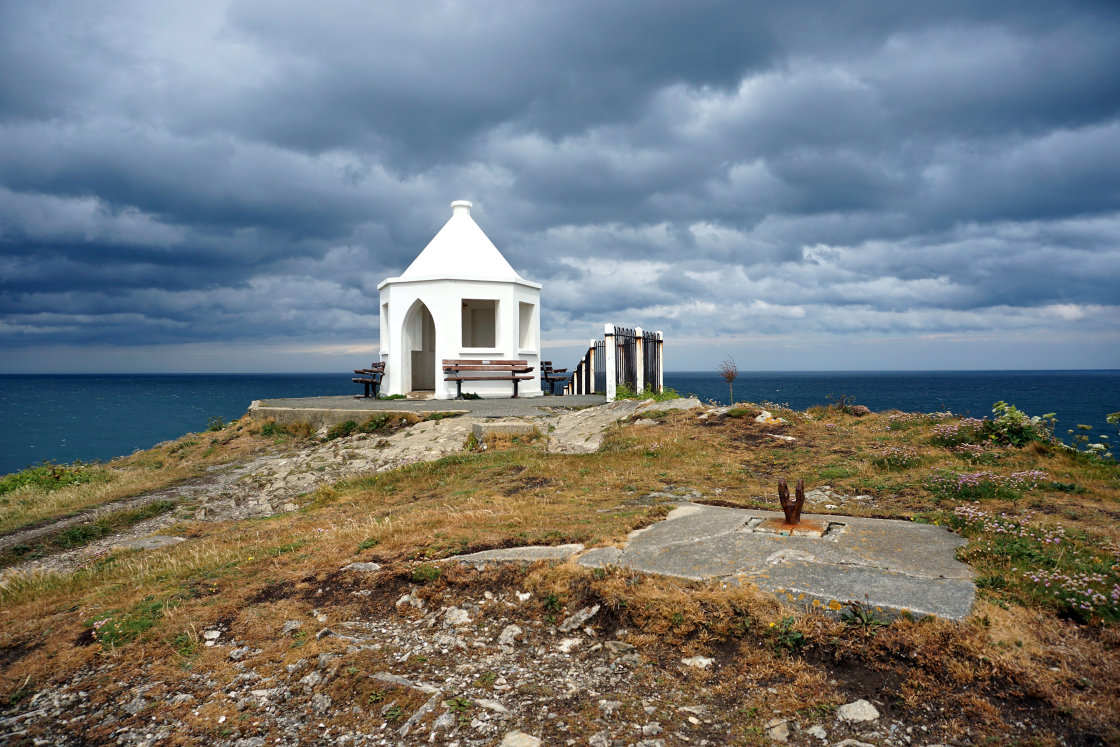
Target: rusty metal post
[791, 508]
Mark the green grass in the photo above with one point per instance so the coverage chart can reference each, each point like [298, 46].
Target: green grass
[116, 627]
[78, 535]
[1035, 564]
[49, 477]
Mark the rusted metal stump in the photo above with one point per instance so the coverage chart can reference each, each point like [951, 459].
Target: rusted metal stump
[791, 507]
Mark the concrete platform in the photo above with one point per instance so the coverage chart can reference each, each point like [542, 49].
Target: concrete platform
[328, 411]
[894, 566]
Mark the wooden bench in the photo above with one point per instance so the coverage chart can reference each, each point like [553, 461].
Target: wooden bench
[553, 376]
[485, 370]
[370, 378]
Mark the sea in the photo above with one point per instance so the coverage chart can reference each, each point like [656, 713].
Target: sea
[67, 418]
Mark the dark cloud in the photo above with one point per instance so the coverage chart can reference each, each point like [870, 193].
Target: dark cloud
[216, 173]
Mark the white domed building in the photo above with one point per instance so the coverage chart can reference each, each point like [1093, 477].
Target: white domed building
[459, 299]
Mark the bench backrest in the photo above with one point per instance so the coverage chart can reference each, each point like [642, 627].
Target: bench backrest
[483, 365]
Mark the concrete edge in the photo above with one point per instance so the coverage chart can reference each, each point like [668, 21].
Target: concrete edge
[319, 417]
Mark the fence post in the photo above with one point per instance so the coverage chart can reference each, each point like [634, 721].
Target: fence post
[589, 382]
[611, 363]
[660, 361]
[639, 361]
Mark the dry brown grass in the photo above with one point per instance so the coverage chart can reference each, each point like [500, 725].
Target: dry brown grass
[253, 575]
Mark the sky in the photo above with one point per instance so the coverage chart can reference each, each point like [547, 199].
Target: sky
[220, 186]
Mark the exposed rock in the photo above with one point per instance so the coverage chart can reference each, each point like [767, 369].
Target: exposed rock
[411, 599]
[577, 620]
[816, 730]
[456, 616]
[519, 738]
[320, 703]
[565, 646]
[290, 627]
[699, 662]
[618, 647]
[600, 739]
[778, 729]
[857, 712]
[608, 707]
[362, 567]
[509, 635]
[491, 705]
[325, 633]
[135, 705]
[422, 711]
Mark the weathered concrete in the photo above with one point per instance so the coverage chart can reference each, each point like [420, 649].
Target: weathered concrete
[321, 417]
[893, 566]
[486, 428]
[528, 554]
[328, 411]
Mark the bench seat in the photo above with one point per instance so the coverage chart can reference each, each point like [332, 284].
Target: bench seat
[370, 378]
[486, 370]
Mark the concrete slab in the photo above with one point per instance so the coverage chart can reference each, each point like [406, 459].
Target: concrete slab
[528, 554]
[894, 566]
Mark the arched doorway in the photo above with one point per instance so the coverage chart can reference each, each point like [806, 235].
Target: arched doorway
[419, 347]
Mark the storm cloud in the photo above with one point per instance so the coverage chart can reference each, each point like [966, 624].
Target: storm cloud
[891, 184]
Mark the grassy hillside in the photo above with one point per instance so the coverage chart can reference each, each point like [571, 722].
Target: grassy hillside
[1037, 662]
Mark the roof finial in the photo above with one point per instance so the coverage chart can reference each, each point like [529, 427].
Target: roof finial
[461, 207]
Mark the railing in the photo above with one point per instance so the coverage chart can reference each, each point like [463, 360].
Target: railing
[590, 376]
[624, 356]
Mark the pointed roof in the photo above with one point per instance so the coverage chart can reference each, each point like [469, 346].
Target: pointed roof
[461, 251]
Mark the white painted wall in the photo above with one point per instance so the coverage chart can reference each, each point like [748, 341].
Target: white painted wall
[401, 332]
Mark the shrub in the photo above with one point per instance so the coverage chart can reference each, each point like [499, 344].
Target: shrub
[216, 423]
[1011, 427]
[425, 573]
[348, 428]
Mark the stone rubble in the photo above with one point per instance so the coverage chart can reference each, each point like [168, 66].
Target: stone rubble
[514, 681]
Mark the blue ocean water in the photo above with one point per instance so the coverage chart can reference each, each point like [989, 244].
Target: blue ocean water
[63, 418]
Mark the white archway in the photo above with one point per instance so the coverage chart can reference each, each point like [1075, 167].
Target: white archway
[418, 343]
